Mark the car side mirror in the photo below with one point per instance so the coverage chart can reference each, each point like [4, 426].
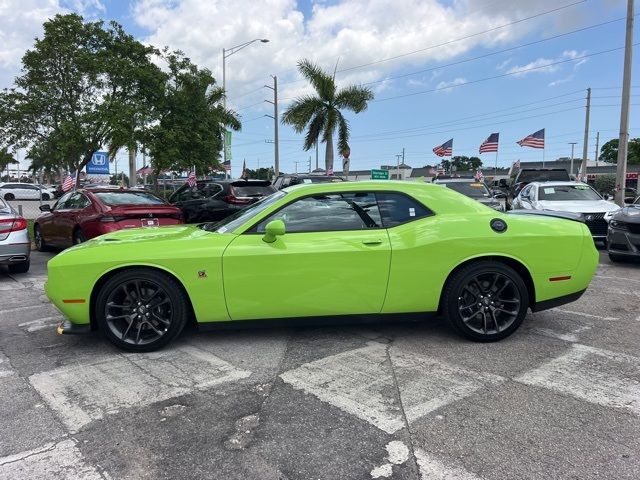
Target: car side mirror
[45, 207]
[273, 230]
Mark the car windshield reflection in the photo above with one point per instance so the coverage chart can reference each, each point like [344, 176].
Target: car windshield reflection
[241, 216]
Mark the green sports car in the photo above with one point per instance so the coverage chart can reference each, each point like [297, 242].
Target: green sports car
[326, 250]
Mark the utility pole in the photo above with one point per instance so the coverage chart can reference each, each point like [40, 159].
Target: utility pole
[316, 154]
[573, 144]
[296, 162]
[398, 157]
[585, 147]
[309, 163]
[276, 163]
[597, 146]
[623, 142]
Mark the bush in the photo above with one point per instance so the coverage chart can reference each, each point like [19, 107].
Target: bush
[605, 184]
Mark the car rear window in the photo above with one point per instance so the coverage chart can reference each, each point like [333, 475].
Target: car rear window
[543, 176]
[128, 198]
[253, 190]
[396, 208]
[470, 189]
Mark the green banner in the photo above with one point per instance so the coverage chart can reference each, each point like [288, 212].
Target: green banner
[227, 144]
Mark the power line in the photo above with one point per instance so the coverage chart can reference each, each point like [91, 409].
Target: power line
[516, 72]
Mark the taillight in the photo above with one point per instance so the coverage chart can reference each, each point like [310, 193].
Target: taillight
[110, 219]
[8, 225]
[237, 201]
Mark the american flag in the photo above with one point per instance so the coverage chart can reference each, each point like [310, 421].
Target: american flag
[479, 176]
[535, 140]
[227, 165]
[191, 179]
[68, 183]
[444, 150]
[146, 170]
[517, 164]
[490, 144]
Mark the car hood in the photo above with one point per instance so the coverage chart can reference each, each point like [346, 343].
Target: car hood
[578, 206]
[628, 215]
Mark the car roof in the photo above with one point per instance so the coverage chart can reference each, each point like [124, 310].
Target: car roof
[559, 184]
[456, 180]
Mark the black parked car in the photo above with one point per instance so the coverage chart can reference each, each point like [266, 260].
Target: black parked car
[213, 200]
[288, 179]
[472, 188]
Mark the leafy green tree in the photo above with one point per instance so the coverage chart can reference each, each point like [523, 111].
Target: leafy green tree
[260, 173]
[321, 114]
[446, 164]
[119, 179]
[6, 159]
[609, 151]
[463, 163]
[82, 86]
[192, 120]
[605, 184]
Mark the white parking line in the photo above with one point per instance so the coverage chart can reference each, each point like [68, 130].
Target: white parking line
[41, 323]
[360, 382]
[582, 314]
[60, 460]
[30, 307]
[433, 469]
[567, 337]
[5, 368]
[80, 394]
[598, 376]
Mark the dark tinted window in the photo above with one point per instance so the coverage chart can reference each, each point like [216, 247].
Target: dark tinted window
[332, 212]
[470, 189]
[128, 198]
[252, 190]
[61, 204]
[543, 176]
[396, 209]
[198, 192]
[77, 201]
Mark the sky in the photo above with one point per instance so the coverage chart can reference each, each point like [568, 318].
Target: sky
[439, 69]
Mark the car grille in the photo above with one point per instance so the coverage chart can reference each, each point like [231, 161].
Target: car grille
[596, 223]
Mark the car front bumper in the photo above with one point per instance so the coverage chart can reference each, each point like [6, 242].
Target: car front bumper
[623, 242]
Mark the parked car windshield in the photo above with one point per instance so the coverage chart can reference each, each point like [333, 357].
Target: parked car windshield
[128, 198]
[235, 220]
[470, 189]
[560, 193]
[542, 176]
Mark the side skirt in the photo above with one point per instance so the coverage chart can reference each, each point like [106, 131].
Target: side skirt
[556, 302]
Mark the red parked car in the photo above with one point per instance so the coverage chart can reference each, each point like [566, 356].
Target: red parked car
[87, 213]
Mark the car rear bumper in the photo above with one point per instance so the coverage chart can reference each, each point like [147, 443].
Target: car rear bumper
[15, 248]
[621, 242]
[556, 302]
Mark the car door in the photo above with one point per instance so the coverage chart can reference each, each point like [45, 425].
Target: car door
[190, 200]
[48, 221]
[66, 220]
[334, 259]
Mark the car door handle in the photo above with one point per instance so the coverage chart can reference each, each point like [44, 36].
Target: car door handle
[372, 241]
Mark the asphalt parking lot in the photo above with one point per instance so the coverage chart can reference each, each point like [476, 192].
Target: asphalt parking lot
[559, 399]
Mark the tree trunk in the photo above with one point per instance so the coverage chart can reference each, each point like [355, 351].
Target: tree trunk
[133, 176]
[328, 157]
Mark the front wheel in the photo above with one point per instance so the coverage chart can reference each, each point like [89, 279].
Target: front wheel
[486, 301]
[141, 310]
[41, 245]
[9, 196]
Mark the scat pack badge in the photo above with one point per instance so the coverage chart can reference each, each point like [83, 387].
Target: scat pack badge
[202, 274]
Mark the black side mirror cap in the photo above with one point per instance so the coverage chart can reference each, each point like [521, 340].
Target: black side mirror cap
[45, 207]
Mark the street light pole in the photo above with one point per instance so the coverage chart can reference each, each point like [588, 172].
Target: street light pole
[573, 144]
[227, 52]
[276, 163]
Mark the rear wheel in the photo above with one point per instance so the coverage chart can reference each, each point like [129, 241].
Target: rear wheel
[9, 196]
[616, 258]
[46, 196]
[141, 310]
[22, 267]
[486, 301]
[41, 245]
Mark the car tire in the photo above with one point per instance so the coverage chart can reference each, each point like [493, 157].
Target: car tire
[9, 196]
[78, 237]
[45, 196]
[141, 309]
[485, 301]
[22, 267]
[38, 239]
[616, 258]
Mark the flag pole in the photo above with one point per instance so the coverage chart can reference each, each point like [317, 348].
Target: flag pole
[544, 149]
[495, 170]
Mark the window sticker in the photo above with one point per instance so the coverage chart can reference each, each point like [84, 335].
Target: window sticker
[412, 212]
[550, 190]
[306, 180]
[581, 187]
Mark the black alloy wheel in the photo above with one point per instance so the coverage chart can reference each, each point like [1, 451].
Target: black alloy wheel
[38, 239]
[141, 309]
[45, 196]
[486, 301]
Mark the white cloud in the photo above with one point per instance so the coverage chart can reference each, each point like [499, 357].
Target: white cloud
[447, 87]
[548, 65]
[85, 7]
[560, 81]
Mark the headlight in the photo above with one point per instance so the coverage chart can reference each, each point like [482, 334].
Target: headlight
[618, 224]
[608, 215]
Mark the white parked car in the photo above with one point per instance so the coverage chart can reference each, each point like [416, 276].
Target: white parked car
[572, 197]
[23, 191]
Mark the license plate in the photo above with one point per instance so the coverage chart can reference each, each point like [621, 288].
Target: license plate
[150, 222]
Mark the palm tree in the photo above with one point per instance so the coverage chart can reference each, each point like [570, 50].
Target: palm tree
[320, 114]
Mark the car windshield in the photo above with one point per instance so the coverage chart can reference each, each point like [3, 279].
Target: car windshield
[561, 193]
[235, 220]
[470, 189]
[128, 198]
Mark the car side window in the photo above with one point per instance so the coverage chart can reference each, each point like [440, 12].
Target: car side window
[396, 208]
[83, 202]
[286, 182]
[330, 212]
[278, 183]
[525, 191]
[61, 204]
[74, 201]
[210, 190]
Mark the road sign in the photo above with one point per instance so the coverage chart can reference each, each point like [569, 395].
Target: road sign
[99, 164]
[379, 174]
